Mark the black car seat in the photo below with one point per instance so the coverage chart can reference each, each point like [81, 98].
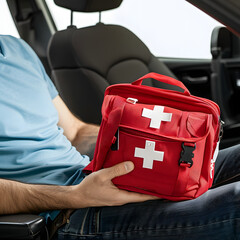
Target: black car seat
[225, 49]
[85, 61]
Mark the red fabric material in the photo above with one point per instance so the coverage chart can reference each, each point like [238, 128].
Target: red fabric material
[156, 148]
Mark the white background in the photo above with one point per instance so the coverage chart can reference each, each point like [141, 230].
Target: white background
[170, 28]
[6, 23]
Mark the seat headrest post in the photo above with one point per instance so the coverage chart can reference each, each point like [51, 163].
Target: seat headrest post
[100, 17]
[71, 21]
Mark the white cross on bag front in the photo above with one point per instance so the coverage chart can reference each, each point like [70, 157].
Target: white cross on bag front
[157, 116]
[149, 154]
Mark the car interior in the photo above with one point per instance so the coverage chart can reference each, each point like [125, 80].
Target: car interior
[84, 67]
[224, 77]
[83, 62]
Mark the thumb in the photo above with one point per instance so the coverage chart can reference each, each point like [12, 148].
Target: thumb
[119, 169]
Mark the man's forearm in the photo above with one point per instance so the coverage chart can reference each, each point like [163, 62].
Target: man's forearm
[16, 197]
[95, 190]
[85, 139]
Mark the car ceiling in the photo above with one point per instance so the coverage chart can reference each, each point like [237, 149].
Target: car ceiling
[226, 12]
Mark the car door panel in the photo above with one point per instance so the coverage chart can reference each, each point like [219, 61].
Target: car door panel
[194, 73]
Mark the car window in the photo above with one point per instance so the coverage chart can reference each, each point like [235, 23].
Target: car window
[7, 26]
[172, 28]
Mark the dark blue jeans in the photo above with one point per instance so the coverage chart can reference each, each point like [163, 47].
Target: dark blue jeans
[214, 215]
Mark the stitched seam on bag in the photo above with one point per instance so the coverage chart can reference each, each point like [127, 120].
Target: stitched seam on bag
[202, 165]
[174, 189]
[122, 110]
[179, 124]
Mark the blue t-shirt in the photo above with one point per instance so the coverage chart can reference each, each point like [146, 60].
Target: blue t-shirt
[33, 148]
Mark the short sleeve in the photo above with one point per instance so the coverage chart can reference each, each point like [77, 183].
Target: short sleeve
[51, 88]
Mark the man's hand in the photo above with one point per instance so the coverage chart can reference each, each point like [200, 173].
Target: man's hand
[97, 189]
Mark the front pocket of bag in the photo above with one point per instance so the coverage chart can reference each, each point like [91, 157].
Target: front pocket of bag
[158, 172]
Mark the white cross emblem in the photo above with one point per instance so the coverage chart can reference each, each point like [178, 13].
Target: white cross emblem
[157, 115]
[148, 154]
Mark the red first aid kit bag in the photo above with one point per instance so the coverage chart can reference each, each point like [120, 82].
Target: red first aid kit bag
[171, 137]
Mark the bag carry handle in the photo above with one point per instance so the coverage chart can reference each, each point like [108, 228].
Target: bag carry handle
[164, 79]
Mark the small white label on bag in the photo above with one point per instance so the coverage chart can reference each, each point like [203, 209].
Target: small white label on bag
[157, 116]
[214, 159]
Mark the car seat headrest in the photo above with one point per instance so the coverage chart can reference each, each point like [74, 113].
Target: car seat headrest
[88, 5]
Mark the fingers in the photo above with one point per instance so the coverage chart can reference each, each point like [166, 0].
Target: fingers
[128, 197]
[117, 196]
[118, 170]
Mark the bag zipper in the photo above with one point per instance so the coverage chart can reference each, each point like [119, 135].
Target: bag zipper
[179, 97]
[137, 132]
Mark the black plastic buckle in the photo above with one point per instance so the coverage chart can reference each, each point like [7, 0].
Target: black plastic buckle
[187, 155]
